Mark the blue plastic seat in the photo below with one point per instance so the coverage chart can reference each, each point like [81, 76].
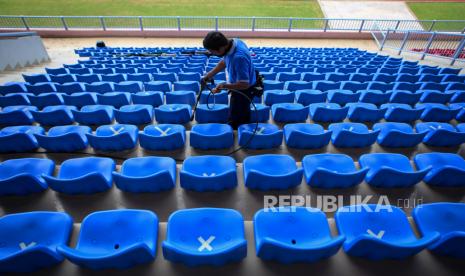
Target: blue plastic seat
[208, 173]
[433, 112]
[289, 112]
[85, 175]
[90, 78]
[12, 87]
[64, 138]
[397, 112]
[115, 137]
[215, 237]
[342, 97]
[278, 96]
[294, 234]
[80, 99]
[311, 77]
[115, 239]
[181, 97]
[212, 113]
[354, 86]
[361, 77]
[163, 137]
[404, 97]
[338, 77]
[288, 76]
[306, 136]
[162, 86]
[329, 170]
[54, 115]
[356, 135]
[365, 112]
[307, 97]
[407, 86]
[35, 78]
[261, 115]
[266, 136]
[141, 77]
[186, 86]
[379, 232]
[94, 115]
[115, 99]
[99, 87]
[271, 171]
[397, 135]
[189, 77]
[24, 176]
[376, 97]
[152, 98]
[447, 219]
[17, 115]
[435, 96]
[173, 113]
[15, 99]
[328, 112]
[325, 85]
[440, 134]
[30, 240]
[46, 99]
[129, 86]
[69, 88]
[434, 86]
[407, 77]
[136, 114]
[389, 170]
[148, 174]
[211, 136]
[19, 138]
[270, 85]
[62, 78]
[41, 88]
[447, 169]
[298, 85]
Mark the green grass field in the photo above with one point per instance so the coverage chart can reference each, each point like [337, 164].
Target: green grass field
[274, 8]
[440, 11]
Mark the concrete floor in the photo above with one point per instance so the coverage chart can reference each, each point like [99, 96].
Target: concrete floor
[389, 10]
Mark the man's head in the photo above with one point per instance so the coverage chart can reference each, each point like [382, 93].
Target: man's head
[216, 43]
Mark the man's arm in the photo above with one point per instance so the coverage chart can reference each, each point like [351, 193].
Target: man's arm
[240, 85]
[218, 68]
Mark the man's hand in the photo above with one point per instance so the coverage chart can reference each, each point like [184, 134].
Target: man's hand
[218, 88]
[205, 79]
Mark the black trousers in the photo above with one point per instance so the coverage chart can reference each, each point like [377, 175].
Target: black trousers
[239, 107]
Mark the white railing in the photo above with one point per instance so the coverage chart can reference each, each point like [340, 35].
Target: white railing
[179, 23]
[444, 45]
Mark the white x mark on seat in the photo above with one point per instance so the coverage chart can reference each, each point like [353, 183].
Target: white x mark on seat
[379, 235]
[260, 131]
[116, 131]
[205, 244]
[23, 246]
[211, 174]
[163, 132]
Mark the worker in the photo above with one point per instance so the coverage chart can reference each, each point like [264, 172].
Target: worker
[242, 76]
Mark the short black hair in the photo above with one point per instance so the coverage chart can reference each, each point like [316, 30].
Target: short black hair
[214, 41]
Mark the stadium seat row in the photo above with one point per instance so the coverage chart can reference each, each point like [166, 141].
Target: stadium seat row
[90, 175]
[212, 236]
[211, 136]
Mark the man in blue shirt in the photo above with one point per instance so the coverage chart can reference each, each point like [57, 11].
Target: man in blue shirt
[241, 74]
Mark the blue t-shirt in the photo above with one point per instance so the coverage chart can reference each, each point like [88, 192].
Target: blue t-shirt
[239, 63]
